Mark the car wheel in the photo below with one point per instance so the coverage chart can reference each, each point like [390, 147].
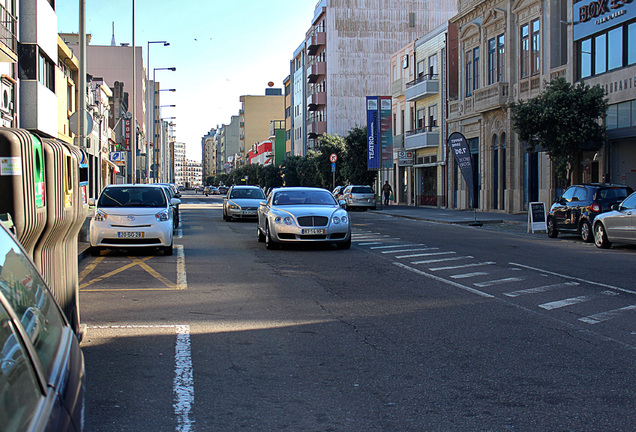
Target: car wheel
[96, 251]
[600, 236]
[344, 245]
[224, 217]
[168, 250]
[269, 244]
[552, 231]
[586, 232]
[261, 236]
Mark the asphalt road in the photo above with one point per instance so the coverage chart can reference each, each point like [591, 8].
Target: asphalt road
[420, 326]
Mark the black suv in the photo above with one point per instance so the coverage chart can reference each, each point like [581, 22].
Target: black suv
[577, 207]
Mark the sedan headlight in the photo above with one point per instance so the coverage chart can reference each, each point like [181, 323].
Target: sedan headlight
[100, 216]
[339, 219]
[286, 220]
[163, 216]
[234, 207]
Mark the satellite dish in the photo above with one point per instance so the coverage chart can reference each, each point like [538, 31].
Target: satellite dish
[73, 123]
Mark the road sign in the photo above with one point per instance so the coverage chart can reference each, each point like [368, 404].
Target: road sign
[118, 157]
[333, 167]
[333, 157]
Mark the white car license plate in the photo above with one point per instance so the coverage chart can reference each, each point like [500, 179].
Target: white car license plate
[249, 212]
[130, 234]
[313, 231]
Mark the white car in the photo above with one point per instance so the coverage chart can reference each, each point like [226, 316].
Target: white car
[303, 215]
[132, 216]
[241, 202]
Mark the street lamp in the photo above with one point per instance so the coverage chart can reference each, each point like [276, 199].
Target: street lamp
[165, 43]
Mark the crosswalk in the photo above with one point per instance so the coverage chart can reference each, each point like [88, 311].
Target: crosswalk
[587, 303]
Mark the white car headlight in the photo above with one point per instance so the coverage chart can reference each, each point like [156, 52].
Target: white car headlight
[335, 220]
[287, 220]
[163, 216]
[344, 219]
[100, 216]
[234, 207]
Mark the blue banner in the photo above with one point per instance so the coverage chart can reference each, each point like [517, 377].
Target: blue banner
[374, 158]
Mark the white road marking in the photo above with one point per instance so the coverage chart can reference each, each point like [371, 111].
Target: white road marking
[463, 266]
[425, 254]
[605, 316]
[575, 278]
[496, 282]
[567, 302]
[468, 275]
[455, 284]
[395, 246]
[442, 260]
[540, 289]
[408, 250]
[182, 281]
[183, 383]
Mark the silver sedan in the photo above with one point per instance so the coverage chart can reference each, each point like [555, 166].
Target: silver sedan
[617, 225]
[303, 215]
[241, 202]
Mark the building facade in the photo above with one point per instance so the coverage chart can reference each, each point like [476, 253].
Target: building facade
[255, 116]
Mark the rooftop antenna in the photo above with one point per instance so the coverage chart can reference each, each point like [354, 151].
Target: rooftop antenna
[112, 42]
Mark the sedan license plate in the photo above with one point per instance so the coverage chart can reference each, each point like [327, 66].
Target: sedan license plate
[313, 231]
[130, 234]
[249, 212]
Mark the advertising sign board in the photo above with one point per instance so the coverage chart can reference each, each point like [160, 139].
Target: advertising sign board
[373, 132]
[461, 151]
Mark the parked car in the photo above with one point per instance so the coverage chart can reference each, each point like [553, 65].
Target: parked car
[223, 190]
[617, 225]
[574, 211]
[303, 215]
[357, 196]
[241, 202]
[42, 373]
[175, 207]
[132, 216]
[337, 192]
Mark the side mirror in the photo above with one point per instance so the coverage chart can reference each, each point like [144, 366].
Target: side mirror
[91, 202]
[177, 195]
[262, 203]
[175, 201]
[342, 203]
[615, 207]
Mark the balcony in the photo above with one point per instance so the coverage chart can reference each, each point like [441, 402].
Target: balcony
[315, 70]
[315, 100]
[397, 87]
[315, 41]
[8, 37]
[316, 129]
[492, 97]
[427, 137]
[422, 87]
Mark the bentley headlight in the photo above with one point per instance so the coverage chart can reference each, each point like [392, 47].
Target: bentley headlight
[335, 220]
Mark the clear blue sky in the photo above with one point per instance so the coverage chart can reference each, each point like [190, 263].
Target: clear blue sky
[221, 49]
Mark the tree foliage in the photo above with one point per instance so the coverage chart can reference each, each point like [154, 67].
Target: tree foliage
[563, 120]
[314, 169]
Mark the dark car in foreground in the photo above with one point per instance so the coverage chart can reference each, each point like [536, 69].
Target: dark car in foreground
[617, 225]
[574, 211]
[42, 375]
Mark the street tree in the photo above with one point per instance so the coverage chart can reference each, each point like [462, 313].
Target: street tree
[563, 121]
[355, 158]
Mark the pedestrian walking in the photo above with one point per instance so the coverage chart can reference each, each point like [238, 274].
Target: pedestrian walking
[386, 189]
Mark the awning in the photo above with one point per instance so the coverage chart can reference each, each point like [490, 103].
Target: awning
[112, 165]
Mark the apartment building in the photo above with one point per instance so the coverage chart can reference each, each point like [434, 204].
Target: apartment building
[192, 173]
[348, 52]
[419, 109]
[255, 116]
[208, 154]
[499, 52]
[8, 64]
[179, 156]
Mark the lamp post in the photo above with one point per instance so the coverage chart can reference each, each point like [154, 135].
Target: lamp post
[155, 114]
[150, 117]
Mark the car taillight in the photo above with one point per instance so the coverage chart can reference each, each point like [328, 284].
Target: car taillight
[595, 208]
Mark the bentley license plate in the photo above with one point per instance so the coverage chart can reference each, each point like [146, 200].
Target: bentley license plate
[313, 231]
[130, 234]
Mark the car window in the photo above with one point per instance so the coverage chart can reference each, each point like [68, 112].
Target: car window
[616, 193]
[255, 193]
[132, 197]
[630, 202]
[31, 300]
[568, 194]
[304, 197]
[362, 189]
[19, 390]
[580, 194]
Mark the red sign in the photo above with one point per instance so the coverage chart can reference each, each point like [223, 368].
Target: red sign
[127, 133]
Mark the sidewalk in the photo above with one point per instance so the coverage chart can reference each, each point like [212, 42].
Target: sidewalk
[434, 214]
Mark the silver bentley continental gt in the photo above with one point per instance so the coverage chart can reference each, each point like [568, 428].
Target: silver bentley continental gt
[303, 215]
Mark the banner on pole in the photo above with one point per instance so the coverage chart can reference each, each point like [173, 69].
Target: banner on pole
[374, 160]
[461, 151]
